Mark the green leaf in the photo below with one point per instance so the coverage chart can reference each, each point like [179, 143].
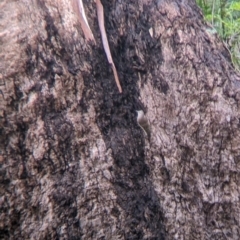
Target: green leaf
[208, 17]
[235, 6]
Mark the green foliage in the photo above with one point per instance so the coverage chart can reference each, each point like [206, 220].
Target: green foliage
[224, 15]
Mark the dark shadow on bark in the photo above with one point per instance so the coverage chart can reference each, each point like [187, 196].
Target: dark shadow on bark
[116, 118]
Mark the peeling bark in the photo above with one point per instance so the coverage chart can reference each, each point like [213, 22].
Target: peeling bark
[74, 164]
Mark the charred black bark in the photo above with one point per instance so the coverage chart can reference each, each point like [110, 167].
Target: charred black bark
[73, 162]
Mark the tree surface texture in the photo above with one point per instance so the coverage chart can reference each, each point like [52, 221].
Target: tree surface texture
[74, 164]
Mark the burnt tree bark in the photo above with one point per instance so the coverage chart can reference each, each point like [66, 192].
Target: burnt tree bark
[75, 165]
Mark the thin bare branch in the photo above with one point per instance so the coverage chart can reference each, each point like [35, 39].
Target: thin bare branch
[100, 13]
[79, 9]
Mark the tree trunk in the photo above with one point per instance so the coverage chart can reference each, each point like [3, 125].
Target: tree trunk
[74, 164]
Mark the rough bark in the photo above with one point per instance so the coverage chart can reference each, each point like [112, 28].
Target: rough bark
[74, 164]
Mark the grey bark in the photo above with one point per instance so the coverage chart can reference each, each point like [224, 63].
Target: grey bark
[74, 163]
